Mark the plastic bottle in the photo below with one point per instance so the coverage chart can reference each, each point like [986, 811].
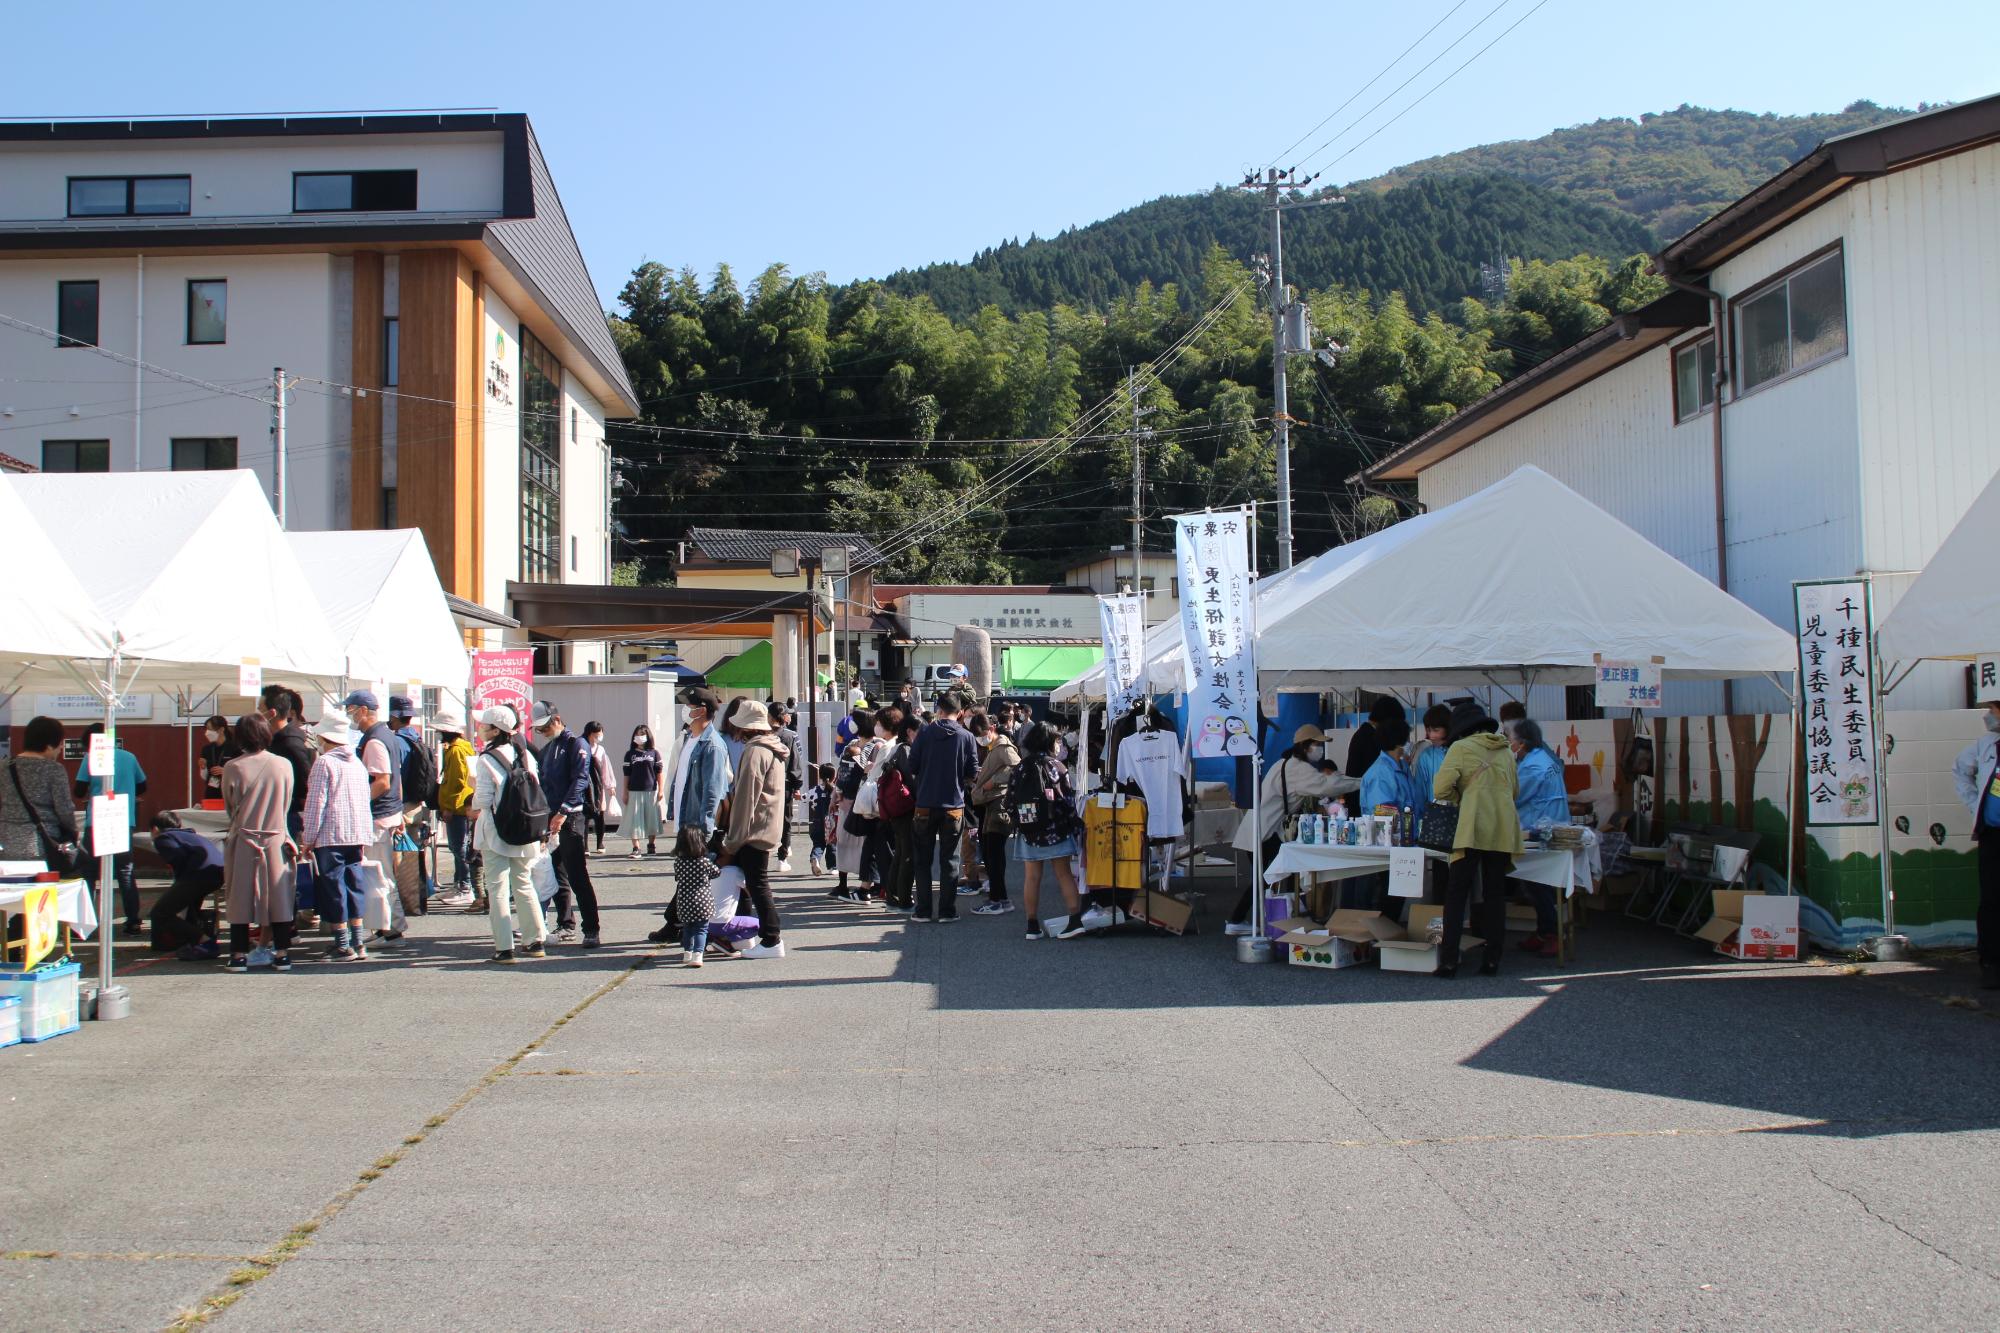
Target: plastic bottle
[1409, 826]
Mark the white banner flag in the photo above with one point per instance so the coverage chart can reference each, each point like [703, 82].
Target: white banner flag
[1123, 618]
[1838, 692]
[1218, 628]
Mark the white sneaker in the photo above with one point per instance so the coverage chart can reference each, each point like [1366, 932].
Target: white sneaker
[763, 950]
[1236, 928]
[635, 853]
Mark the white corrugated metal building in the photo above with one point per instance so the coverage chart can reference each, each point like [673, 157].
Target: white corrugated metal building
[1856, 412]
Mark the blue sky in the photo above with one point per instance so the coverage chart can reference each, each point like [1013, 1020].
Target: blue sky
[864, 137]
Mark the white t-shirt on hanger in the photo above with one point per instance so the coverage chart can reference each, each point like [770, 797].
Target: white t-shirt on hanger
[1153, 760]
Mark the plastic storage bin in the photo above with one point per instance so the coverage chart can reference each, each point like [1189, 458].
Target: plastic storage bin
[47, 995]
[10, 1020]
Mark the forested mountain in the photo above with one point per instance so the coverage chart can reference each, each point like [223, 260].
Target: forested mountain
[1668, 171]
[1426, 241]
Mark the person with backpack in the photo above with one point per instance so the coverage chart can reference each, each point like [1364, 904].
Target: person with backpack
[509, 818]
[1044, 806]
[566, 784]
[896, 806]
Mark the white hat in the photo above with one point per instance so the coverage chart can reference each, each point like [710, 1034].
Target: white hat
[751, 716]
[501, 716]
[333, 727]
[448, 722]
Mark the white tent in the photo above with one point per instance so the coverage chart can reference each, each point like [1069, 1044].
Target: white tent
[187, 572]
[1526, 580]
[1952, 609]
[45, 615]
[383, 601]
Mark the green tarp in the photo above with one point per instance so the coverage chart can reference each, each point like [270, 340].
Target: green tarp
[749, 670]
[1043, 667]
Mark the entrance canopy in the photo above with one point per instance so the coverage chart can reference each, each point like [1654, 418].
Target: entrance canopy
[1952, 610]
[386, 607]
[606, 611]
[1045, 666]
[187, 571]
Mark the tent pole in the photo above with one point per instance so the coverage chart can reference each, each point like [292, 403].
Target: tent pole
[1256, 947]
[113, 1000]
[1797, 716]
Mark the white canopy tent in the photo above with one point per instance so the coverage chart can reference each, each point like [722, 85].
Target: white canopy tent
[385, 605]
[1952, 609]
[184, 576]
[45, 615]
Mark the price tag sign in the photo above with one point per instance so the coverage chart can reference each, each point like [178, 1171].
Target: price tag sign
[250, 678]
[40, 909]
[103, 757]
[1406, 872]
[110, 825]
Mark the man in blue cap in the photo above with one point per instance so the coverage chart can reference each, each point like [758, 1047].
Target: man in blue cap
[565, 763]
[377, 748]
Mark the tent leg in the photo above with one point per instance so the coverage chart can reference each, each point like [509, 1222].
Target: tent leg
[113, 1000]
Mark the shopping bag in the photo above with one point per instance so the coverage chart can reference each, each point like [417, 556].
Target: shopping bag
[375, 891]
[611, 812]
[865, 799]
[410, 881]
[305, 886]
[542, 874]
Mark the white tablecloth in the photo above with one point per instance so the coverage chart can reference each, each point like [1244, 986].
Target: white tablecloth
[73, 905]
[1565, 870]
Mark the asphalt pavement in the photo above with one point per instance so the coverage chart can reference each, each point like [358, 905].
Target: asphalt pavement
[930, 1126]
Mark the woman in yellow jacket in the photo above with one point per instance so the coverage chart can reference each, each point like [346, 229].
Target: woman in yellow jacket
[1478, 774]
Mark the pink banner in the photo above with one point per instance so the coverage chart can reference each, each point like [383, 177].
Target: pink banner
[504, 678]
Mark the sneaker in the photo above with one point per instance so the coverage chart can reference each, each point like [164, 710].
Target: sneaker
[454, 901]
[763, 950]
[281, 962]
[693, 959]
[840, 895]
[387, 936]
[196, 953]
[1035, 931]
[1237, 928]
[635, 854]
[567, 935]
[943, 917]
[535, 950]
[504, 956]
[261, 956]
[967, 890]
[592, 942]
[360, 953]
[922, 916]
[478, 906]
[340, 953]
[1071, 929]
[993, 909]
[898, 907]
[237, 963]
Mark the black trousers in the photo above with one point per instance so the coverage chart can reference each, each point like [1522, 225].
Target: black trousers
[993, 855]
[936, 858]
[123, 875]
[756, 865]
[176, 918]
[1989, 897]
[1485, 872]
[574, 889]
[903, 867]
[594, 824]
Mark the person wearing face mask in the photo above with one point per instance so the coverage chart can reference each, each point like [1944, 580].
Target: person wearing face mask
[1302, 777]
[701, 779]
[998, 759]
[218, 748]
[642, 791]
[1978, 783]
[1540, 799]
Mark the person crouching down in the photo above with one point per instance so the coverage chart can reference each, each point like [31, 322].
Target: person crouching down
[197, 866]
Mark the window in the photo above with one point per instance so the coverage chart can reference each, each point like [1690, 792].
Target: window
[1792, 325]
[392, 351]
[1694, 379]
[128, 196]
[354, 191]
[213, 453]
[76, 455]
[541, 462]
[208, 310]
[76, 314]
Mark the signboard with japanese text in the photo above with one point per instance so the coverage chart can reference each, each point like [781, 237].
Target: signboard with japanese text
[90, 708]
[1026, 615]
[1124, 621]
[110, 825]
[1837, 696]
[503, 677]
[1628, 684]
[1219, 630]
[249, 678]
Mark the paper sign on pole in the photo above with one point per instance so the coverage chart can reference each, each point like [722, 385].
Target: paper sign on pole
[110, 826]
[1627, 684]
[1217, 630]
[1123, 618]
[40, 936]
[103, 756]
[1837, 689]
[1406, 872]
[250, 678]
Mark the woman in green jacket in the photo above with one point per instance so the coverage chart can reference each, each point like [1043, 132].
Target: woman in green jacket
[1478, 774]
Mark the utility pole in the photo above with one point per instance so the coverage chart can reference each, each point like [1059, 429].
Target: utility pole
[1284, 314]
[1138, 484]
[278, 440]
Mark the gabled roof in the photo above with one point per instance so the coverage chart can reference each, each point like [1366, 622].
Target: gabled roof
[9, 463]
[754, 546]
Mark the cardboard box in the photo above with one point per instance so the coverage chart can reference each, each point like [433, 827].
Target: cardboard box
[1748, 924]
[1336, 944]
[1411, 950]
[1165, 911]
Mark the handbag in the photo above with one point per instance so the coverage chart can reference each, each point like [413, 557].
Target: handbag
[857, 824]
[1437, 826]
[305, 886]
[542, 874]
[375, 891]
[65, 858]
[867, 797]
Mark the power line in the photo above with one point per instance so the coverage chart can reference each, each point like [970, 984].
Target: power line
[1366, 86]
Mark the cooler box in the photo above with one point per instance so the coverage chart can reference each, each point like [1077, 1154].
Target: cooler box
[10, 1020]
[47, 996]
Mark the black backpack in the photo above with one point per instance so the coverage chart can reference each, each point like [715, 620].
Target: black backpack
[420, 775]
[521, 816]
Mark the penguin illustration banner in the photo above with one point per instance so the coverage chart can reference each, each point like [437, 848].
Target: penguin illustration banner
[1218, 630]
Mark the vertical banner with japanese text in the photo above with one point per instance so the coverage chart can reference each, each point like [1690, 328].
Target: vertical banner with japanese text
[1837, 695]
[504, 677]
[1218, 629]
[1124, 620]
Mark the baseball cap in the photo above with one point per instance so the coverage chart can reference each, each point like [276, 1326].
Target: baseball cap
[545, 713]
[400, 706]
[361, 699]
[700, 696]
[501, 716]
